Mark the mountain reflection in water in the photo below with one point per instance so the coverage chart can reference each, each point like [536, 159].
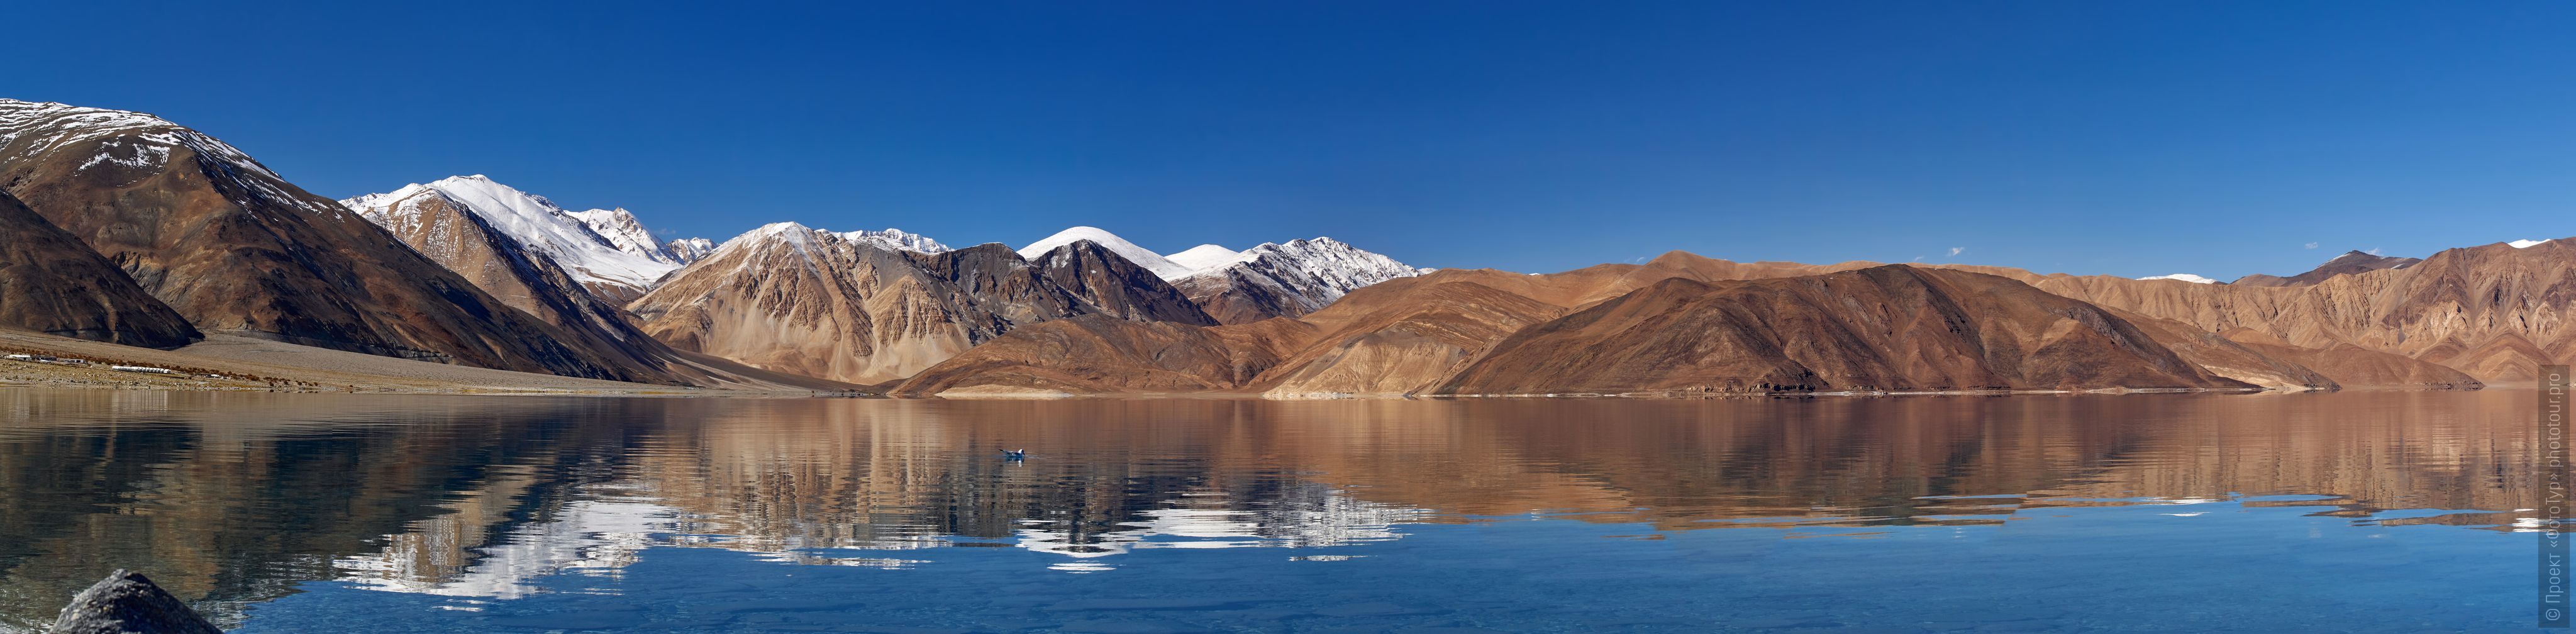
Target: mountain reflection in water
[230, 500]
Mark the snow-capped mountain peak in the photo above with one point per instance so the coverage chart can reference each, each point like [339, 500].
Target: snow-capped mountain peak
[2186, 277]
[2525, 244]
[533, 221]
[792, 232]
[1150, 261]
[1206, 256]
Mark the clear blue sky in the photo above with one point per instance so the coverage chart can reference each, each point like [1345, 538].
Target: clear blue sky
[2090, 137]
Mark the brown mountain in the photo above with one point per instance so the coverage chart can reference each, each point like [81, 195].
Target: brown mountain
[1892, 327]
[2494, 312]
[2350, 263]
[792, 299]
[234, 248]
[52, 283]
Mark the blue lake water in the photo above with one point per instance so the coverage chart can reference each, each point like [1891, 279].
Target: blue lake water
[2362, 512]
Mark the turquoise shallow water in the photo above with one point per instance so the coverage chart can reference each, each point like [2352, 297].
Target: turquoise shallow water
[2367, 512]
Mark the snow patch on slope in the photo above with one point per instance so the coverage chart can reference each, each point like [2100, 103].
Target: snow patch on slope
[2187, 277]
[2525, 244]
[1163, 268]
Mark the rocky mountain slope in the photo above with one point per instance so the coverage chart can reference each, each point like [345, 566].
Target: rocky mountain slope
[1281, 280]
[52, 283]
[596, 262]
[2350, 263]
[795, 299]
[233, 247]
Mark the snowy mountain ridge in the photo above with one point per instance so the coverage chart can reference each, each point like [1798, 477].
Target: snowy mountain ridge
[1161, 267]
[535, 222]
[897, 239]
[1281, 280]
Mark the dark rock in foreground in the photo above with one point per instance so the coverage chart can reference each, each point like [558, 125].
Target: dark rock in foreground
[128, 603]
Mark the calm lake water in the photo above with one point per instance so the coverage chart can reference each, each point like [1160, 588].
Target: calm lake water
[2364, 511]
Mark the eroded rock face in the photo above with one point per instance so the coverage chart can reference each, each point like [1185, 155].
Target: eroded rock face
[233, 247]
[128, 603]
[52, 283]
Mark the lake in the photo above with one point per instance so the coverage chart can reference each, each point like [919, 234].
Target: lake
[2357, 511]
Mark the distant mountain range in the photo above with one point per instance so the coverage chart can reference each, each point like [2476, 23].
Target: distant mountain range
[134, 230]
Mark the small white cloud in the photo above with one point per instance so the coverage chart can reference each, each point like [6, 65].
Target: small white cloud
[2311, 245]
[1954, 251]
[1918, 258]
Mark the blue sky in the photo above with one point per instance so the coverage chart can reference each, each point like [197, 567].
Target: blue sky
[2088, 137]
